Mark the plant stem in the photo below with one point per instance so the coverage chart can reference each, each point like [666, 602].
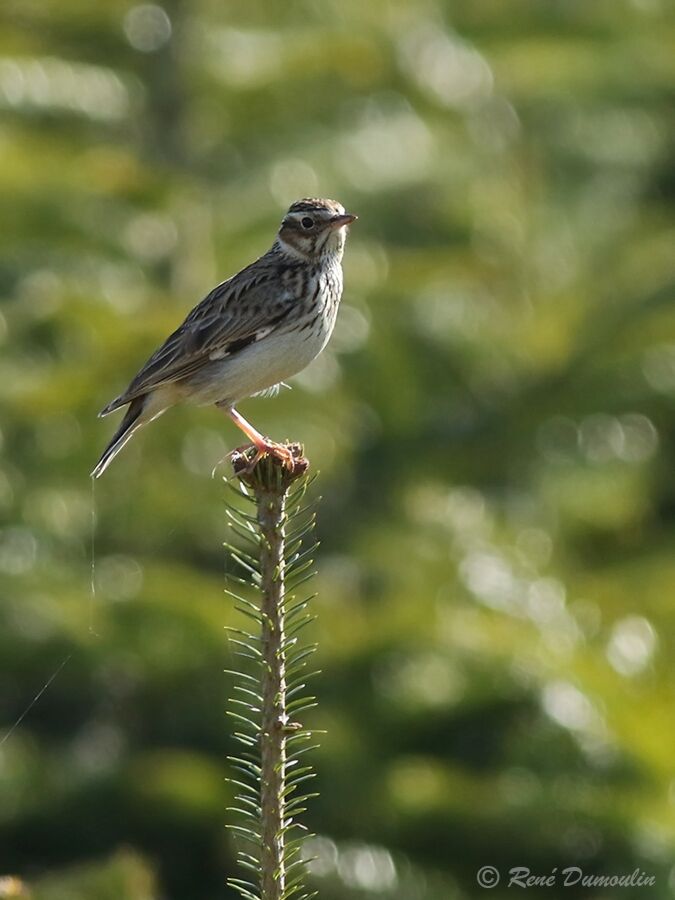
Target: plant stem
[269, 482]
[273, 717]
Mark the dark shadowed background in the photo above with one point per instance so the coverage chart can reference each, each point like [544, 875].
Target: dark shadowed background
[493, 422]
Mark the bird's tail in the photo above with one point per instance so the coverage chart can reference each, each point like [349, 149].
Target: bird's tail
[131, 422]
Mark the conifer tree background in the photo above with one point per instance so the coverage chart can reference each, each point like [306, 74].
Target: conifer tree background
[493, 422]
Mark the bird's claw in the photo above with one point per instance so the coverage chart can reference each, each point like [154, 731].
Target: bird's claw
[270, 448]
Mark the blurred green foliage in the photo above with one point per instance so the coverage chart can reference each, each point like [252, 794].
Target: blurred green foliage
[493, 421]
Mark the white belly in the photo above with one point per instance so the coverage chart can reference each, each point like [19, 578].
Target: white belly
[258, 366]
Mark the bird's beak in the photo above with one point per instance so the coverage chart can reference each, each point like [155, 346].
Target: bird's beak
[345, 219]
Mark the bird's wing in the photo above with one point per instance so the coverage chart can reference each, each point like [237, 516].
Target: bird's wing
[238, 312]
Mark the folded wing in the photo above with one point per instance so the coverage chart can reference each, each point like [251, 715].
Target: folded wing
[238, 312]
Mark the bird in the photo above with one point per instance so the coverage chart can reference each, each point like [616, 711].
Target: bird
[249, 334]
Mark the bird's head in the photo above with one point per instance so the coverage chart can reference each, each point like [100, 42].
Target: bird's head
[312, 229]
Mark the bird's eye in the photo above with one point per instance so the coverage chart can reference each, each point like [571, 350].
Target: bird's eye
[307, 223]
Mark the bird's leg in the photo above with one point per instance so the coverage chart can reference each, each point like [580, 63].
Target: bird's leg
[262, 444]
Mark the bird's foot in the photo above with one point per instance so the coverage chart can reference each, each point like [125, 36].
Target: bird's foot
[262, 448]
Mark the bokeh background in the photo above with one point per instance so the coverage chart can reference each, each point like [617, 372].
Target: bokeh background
[493, 423]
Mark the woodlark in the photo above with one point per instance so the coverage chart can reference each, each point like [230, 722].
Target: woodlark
[253, 331]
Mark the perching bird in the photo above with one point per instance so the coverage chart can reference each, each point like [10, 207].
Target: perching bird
[250, 333]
